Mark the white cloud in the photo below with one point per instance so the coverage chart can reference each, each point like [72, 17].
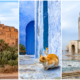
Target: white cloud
[70, 7]
[15, 11]
[70, 13]
[9, 13]
[64, 24]
[3, 18]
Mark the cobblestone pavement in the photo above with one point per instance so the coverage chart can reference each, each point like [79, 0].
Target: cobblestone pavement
[30, 68]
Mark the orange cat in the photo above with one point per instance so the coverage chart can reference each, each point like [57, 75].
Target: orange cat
[50, 61]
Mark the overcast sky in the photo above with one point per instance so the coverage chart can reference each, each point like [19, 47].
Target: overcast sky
[9, 12]
[70, 14]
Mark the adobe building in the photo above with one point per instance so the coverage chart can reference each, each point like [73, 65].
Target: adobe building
[74, 46]
[9, 35]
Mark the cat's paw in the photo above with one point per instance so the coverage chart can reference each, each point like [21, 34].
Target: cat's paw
[45, 68]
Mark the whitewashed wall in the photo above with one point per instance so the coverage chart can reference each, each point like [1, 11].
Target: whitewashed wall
[40, 25]
[54, 16]
[54, 20]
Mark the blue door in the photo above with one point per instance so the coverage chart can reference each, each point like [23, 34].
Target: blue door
[30, 39]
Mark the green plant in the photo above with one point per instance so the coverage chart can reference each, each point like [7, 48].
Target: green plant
[11, 62]
[14, 56]
[16, 62]
[2, 41]
[21, 47]
[13, 49]
[9, 56]
[4, 60]
[0, 60]
[3, 45]
[6, 53]
[0, 55]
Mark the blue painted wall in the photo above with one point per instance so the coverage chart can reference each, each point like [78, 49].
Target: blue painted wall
[26, 15]
[36, 31]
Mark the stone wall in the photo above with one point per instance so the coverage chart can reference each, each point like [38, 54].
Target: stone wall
[9, 35]
[67, 47]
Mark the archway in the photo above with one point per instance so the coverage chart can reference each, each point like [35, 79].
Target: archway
[73, 49]
[30, 38]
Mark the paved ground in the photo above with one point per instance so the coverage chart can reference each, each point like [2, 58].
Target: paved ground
[30, 68]
[70, 68]
[71, 74]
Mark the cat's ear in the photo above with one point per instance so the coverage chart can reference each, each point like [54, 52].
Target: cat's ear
[40, 55]
[47, 49]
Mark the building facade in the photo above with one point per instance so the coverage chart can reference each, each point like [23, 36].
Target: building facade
[52, 33]
[53, 30]
[9, 35]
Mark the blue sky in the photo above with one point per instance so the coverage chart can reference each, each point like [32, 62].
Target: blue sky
[9, 12]
[70, 14]
[8, 0]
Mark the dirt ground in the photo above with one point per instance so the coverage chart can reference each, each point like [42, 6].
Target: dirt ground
[9, 76]
[9, 72]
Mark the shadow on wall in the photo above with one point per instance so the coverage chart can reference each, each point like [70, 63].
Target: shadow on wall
[73, 49]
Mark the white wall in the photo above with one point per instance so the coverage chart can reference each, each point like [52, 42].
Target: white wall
[54, 10]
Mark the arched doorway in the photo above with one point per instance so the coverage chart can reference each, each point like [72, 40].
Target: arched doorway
[30, 38]
[73, 49]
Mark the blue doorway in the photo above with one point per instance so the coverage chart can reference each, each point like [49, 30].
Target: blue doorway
[30, 38]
